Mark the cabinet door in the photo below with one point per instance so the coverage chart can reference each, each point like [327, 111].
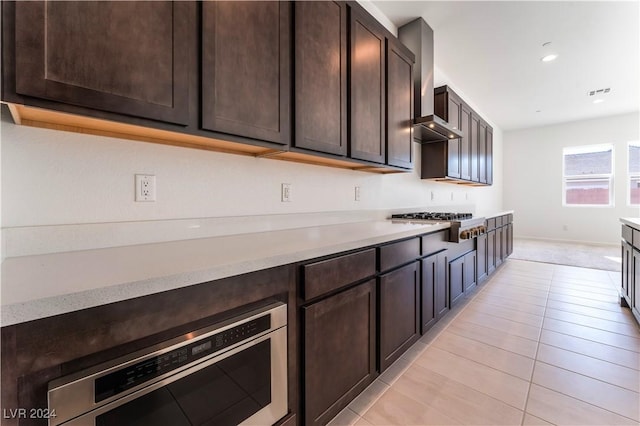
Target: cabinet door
[470, 272]
[482, 152]
[499, 248]
[339, 351]
[489, 142]
[321, 76]
[634, 285]
[441, 292]
[481, 257]
[474, 142]
[399, 107]
[509, 240]
[455, 119]
[367, 89]
[491, 251]
[465, 143]
[399, 294]
[428, 289]
[627, 272]
[124, 57]
[456, 280]
[246, 69]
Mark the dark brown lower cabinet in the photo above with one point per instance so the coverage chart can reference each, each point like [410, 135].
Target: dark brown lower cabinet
[456, 283]
[635, 284]
[627, 272]
[499, 250]
[339, 351]
[469, 277]
[399, 298]
[481, 257]
[509, 240]
[434, 290]
[491, 251]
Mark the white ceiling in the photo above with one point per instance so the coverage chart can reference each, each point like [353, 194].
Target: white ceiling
[491, 52]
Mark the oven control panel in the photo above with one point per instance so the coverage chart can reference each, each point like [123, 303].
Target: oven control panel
[190, 351]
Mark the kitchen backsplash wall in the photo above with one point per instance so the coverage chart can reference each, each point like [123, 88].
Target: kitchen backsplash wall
[533, 186]
[61, 178]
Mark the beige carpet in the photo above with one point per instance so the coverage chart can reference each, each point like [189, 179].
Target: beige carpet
[607, 257]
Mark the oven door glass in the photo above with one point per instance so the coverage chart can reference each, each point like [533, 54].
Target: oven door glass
[224, 393]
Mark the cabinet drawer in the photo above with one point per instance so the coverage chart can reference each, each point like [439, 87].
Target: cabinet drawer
[499, 222]
[627, 234]
[636, 239]
[509, 218]
[491, 224]
[434, 243]
[396, 254]
[331, 274]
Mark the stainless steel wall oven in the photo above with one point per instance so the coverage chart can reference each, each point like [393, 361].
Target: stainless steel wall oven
[230, 373]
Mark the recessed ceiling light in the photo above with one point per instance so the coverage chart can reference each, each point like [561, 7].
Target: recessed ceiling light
[549, 58]
[597, 101]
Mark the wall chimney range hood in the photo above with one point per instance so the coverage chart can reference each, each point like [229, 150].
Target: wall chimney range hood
[417, 35]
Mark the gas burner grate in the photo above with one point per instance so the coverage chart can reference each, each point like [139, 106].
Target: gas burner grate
[433, 216]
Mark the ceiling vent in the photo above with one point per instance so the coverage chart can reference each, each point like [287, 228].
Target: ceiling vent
[599, 92]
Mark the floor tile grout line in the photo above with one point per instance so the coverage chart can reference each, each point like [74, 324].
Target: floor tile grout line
[637, 332]
[595, 328]
[533, 370]
[590, 340]
[470, 388]
[481, 305]
[481, 363]
[497, 329]
[494, 346]
[627, 321]
[590, 356]
[507, 318]
[586, 375]
[583, 401]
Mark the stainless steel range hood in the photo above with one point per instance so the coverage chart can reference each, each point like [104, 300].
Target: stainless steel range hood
[417, 35]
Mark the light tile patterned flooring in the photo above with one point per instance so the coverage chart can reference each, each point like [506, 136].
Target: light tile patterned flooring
[536, 344]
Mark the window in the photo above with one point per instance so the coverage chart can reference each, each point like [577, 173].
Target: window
[588, 175]
[633, 168]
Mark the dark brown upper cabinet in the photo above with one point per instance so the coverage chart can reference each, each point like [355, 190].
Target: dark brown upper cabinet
[465, 142]
[321, 76]
[474, 153]
[131, 58]
[246, 82]
[399, 105]
[482, 152]
[489, 142]
[468, 159]
[367, 88]
[447, 104]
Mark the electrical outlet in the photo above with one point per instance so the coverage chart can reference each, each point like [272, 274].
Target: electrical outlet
[286, 192]
[356, 193]
[145, 188]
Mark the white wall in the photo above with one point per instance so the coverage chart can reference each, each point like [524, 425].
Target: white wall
[52, 178]
[533, 180]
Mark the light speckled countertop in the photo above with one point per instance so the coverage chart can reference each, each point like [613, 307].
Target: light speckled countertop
[633, 222]
[499, 214]
[40, 286]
